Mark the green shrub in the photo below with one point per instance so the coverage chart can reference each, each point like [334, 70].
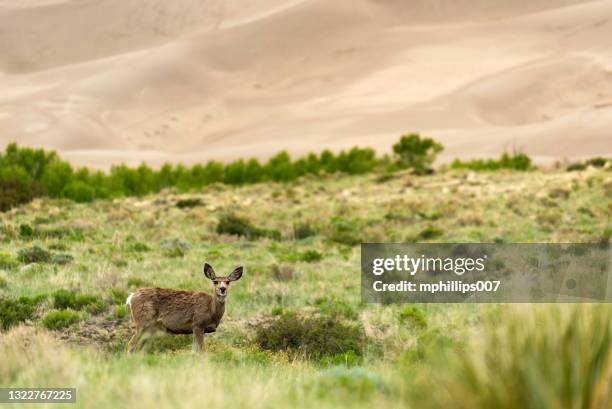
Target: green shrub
[31, 162]
[235, 225]
[55, 320]
[121, 311]
[117, 296]
[188, 203]
[572, 167]
[414, 316]
[16, 186]
[90, 303]
[313, 338]
[55, 178]
[414, 152]
[271, 234]
[232, 224]
[34, 254]
[138, 247]
[345, 231]
[277, 310]
[357, 161]
[14, 311]
[26, 231]
[597, 162]
[308, 256]
[429, 233]
[311, 256]
[303, 230]
[516, 161]
[79, 191]
[64, 299]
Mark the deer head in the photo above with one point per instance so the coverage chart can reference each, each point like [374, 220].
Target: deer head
[221, 283]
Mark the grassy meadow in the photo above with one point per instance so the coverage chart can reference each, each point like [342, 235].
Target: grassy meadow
[66, 268]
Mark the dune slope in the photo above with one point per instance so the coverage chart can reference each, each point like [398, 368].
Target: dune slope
[111, 81]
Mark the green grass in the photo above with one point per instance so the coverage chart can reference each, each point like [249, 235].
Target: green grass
[541, 357]
[552, 356]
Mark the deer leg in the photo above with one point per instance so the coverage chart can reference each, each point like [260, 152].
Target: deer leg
[134, 340]
[198, 340]
[152, 331]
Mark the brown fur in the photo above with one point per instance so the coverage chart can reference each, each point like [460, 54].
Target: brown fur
[180, 312]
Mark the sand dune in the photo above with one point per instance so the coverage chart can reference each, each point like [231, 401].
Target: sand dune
[107, 81]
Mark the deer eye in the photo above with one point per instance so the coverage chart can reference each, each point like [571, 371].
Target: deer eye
[215, 282]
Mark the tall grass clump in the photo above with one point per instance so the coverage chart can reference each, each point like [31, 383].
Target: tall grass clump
[35, 358]
[550, 358]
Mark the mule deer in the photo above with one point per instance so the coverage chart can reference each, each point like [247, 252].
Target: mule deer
[180, 312]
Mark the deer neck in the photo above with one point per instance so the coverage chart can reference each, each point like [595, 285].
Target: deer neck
[219, 306]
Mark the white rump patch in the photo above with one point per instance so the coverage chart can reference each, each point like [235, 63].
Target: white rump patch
[129, 299]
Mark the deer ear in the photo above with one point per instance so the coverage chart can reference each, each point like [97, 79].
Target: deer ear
[209, 272]
[236, 274]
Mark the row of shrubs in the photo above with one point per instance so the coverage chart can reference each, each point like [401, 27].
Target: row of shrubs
[515, 161]
[67, 306]
[34, 254]
[598, 162]
[340, 230]
[26, 173]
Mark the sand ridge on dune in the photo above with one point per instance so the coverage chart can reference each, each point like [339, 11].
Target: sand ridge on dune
[112, 81]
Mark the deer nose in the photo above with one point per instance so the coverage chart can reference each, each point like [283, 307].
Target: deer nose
[222, 290]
